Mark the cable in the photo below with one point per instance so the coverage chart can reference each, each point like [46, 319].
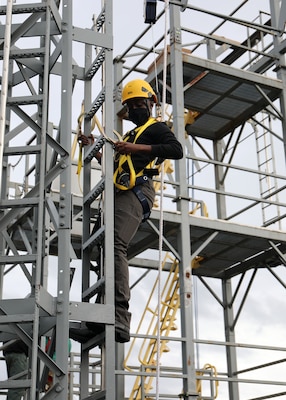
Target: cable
[166, 8]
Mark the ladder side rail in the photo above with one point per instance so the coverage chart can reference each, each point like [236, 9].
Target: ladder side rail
[266, 163]
[170, 306]
[104, 258]
[108, 79]
[86, 229]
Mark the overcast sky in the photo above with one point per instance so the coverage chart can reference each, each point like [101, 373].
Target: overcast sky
[261, 321]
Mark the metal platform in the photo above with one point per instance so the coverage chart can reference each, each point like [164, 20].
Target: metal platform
[227, 249]
[223, 96]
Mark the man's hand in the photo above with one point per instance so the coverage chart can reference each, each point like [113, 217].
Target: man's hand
[132, 148]
[85, 140]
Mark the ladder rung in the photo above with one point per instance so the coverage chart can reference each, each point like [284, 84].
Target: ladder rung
[24, 53]
[264, 162]
[263, 178]
[100, 20]
[96, 104]
[95, 65]
[17, 150]
[18, 259]
[25, 100]
[15, 319]
[19, 203]
[95, 192]
[260, 136]
[23, 9]
[264, 148]
[97, 396]
[268, 191]
[89, 155]
[270, 221]
[15, 383]
[92, 290]
[96, 238]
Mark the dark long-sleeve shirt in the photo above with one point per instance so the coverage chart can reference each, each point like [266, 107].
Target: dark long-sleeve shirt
[164, 145]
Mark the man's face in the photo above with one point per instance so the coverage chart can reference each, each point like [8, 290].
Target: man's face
[133, 104]
[139, 110]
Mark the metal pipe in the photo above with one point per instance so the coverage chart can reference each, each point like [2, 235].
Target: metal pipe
[4, 86]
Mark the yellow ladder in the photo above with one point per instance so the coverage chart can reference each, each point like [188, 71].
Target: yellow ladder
[148, 353]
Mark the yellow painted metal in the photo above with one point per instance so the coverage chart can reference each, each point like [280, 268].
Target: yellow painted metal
[148, 347]
[212, 368]
[148, 353]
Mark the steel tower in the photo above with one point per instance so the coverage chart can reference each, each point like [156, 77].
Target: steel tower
[224, 93]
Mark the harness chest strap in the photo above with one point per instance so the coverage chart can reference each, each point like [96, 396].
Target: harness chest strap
[123, 158]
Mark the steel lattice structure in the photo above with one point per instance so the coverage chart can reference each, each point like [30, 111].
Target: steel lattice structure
[223, 93]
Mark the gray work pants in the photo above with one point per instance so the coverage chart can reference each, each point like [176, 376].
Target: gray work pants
[128, 214]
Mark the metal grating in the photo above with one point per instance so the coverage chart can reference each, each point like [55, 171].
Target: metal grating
[223, 96]
[235, 249]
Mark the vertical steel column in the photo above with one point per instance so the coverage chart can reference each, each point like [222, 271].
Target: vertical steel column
[4, 82]
[39, 215]
[230, 337]
[231, 356]
[184, 242]
[218, 173]
[277, 9]
[64, 235]
[118, 126]
[84, 370]
[109, 367]
[3, 118]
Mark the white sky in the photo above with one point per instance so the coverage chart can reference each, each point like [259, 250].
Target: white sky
[261, 321]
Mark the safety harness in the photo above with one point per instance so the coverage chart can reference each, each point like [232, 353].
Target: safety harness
[130, 180]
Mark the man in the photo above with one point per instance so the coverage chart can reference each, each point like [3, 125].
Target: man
[16, 356]
[134, 192]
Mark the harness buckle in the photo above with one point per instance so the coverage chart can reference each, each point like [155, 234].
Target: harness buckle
[124, 179]
[141, 179]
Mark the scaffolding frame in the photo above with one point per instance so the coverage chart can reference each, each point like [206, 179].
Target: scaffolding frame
[39, 221]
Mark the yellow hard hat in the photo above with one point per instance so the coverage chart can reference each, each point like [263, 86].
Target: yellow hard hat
[138, 88]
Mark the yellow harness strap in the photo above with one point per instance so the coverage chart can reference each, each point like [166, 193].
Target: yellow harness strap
[123, 158]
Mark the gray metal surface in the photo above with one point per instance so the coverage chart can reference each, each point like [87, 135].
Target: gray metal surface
[223, 96]
[227, 249]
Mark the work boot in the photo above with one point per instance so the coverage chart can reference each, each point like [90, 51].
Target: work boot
[122, 334]
[95, 327]
[122, 324]
[81, 335]
[121, 331]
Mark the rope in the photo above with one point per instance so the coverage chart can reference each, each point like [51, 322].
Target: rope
[94, 122]
[166, 8]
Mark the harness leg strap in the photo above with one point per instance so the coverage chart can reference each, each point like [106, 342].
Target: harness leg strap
[143, 201]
